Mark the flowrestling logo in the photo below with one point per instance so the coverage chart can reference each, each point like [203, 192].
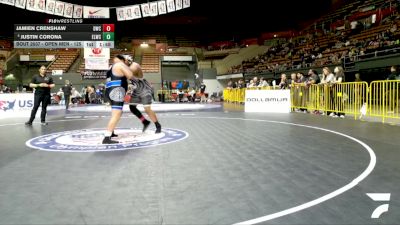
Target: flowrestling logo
[89, 140]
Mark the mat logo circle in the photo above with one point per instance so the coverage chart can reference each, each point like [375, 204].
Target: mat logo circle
[89, 140]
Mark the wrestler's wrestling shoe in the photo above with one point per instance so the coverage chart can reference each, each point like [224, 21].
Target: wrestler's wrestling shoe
[107, 140]
[158, 129]
[146, 124]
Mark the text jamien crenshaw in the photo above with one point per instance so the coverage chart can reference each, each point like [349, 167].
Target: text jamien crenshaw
[40, 28]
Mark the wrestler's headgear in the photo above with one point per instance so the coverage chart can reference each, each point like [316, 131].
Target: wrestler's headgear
[129, 59]
[120, 57]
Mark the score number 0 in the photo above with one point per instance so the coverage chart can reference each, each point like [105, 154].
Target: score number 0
[108, 32]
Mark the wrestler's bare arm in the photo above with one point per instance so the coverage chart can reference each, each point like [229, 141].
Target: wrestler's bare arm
[121, 68]
[136, 70]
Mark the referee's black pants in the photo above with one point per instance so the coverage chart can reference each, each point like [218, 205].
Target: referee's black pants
[67, 98]
[43, 99]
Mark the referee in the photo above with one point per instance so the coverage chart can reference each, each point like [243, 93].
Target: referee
[42, 84]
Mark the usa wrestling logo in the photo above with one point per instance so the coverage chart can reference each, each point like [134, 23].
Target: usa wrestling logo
[90, 140]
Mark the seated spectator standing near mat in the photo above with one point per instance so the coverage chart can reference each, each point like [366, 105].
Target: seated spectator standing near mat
[202, 92]
[392, 94]
[67, 89]
[42, 84]
[116, 87]
[394, 75]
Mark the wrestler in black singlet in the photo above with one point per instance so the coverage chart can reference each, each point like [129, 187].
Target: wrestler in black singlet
[116, 88]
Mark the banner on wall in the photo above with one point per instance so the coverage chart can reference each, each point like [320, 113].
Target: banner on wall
[94, 74]
[170, 5]
[11, 103]
[273, 101]
[59, 10]
[69, 10]
[186, 3]
[40, 5]
[97, 64]
[153, 9]
[120, 14]
[30, 5]
[178, 5]
[57, 72]
[145, 9]
[96, 12]
[20, 4]
[96, 53]
[78, 11]
[162, 8]
[136, 12]
[8, 2]
[50, 6]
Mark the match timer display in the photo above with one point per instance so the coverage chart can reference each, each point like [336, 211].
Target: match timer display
[64, 36]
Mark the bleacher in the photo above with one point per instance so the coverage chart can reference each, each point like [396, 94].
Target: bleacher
[64, 59]
[5, 44]
[151, 62]
[333, 43]
[371, 33]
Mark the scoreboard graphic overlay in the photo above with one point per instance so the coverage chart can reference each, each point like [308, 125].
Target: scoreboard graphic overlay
[64, 36]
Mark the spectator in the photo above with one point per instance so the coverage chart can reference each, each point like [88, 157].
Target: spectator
[292, 81]
[263, 83]
[394, 75]
[241, 84]
[192, 95]
[283, 84]
[255, 81]
[357, 77]
[392, 90]
[180, 95]
[202, 92]
[327, 80]
[75, 96]
[251, 84]
[60, 96]
[230, 84]
[86, 91]
[91, 94]
[67, 89]
[313, 77]
[339, 104]
[202, 88]
[327, 76]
